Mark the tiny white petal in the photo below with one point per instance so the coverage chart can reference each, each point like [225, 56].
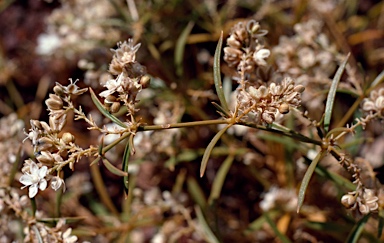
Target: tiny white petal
[26, 180]
[33, 191]
[43, 171]
[43, 185]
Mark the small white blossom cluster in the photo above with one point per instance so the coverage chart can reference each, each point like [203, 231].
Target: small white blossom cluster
[374, 104]
[310, 58]
[53, 148]
[245, 49]
[263, 104]
[279, 198]
[131, 78]
[10, 148]
[259, 98]
[364, 200]
[76, 28]
[179, 225]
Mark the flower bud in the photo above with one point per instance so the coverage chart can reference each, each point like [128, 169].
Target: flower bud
[68, 138]
[115, 107]
[54, 102]
[348, 200]
[46, 158]
[145, 81]
[284, 108]
[58, 90]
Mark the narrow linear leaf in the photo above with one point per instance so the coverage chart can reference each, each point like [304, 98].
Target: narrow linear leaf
[101, 146]
[219, 179]
[180, 46]
[102, 190]
[332, 94]
[258, 223]
[113, 169]
[307, 178]
[68, 220]
[37, 233]
[217, 76]
[378, 80]
[220, 110]
[279, 235]
[357, 230]
[203, 222]
[196, 192]
[106, 113]
[209, 148]
[126, 155]
[94, 161]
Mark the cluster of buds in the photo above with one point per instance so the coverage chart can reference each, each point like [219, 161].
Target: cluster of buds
[245, 50]
[264, 103]
[375, 103]
[365, 200]
[131, 78]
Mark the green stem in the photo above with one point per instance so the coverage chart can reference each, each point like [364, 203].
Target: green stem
[185, 124]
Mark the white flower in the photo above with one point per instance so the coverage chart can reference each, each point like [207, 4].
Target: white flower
[47, 44]
[260, 55]
[68, 238]
[56, 183]
[112, 85]
[34, 179]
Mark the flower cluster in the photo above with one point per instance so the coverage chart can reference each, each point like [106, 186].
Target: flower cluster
[259, 100]
[375, 103]
[76, 27]
[10, 148]
[365, 200]
[130, 81]
[53, 148]
[263, 104]
[245, 49]
[310, 58]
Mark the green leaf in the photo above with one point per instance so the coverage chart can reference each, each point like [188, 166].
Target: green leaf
[196, 192]
[211, 237]
[282, 237]
[258, 223]
[126, 155]
[180, 46]
[113, 169]
[219, 179]
[95, 161]
[209, 148]
[307, 178]
[332, 94]
[217, 76]
[378, 80]
[104, 111]
[357, 230]
[220, 110]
